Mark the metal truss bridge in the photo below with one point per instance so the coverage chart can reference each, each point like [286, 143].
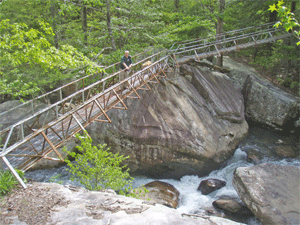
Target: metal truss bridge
[43, 131]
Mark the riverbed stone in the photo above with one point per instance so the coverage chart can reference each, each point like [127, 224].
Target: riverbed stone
[232, 207]
[265, 103]
[254, 156]
[208, 186]
[178, 127]
[270, 191]
[286, 151]
[162, 193]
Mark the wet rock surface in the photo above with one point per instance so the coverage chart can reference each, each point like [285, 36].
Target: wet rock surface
[254, 156]
[208, 186]
[179, 127]
[232, 207]
[162, 193]
[264, 103]
[271, 192]
[51, 203]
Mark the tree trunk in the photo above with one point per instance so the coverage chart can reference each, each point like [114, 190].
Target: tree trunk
[220, 29]
[272, 19]
[293, 7]
[176, 3]
[108, 21]
[84, 22]
[289, 41]
[54, 27]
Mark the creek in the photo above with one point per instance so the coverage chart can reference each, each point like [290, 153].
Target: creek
[192, 201]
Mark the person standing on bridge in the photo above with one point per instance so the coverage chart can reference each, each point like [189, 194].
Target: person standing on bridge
[126, 64]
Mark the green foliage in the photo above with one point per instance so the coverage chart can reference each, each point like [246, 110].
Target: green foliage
[97, 168]
[55, 179]
[29, 63]
[8, 181]
[287, 19]
[49, 47]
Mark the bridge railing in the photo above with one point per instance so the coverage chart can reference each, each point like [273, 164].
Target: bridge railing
[37, 145]
[66, 90]
[213, 41]
[179, 46]
[232, 43]
[24, 129]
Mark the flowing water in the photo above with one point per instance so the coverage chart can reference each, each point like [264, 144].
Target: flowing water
[192, 201]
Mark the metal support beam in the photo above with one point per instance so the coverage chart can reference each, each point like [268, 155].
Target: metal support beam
[176, 60]
[82, 128]
[102, 110]
[14, 172]
[119, 99]
[218, 51]
[52, 146]
[197, 56]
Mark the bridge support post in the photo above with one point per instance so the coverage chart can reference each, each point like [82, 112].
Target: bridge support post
[14, 172]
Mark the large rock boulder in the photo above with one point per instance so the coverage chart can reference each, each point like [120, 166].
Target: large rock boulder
[162, 193]
[271, 192]
[51, 203]
[210, 185]
[179, 127]
[88, 207]
[232, 207]
[264, 103]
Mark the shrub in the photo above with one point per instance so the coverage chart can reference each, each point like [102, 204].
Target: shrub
[97, 168]
[8, 181]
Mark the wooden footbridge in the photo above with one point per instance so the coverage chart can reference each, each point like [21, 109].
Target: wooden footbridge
[43, 131]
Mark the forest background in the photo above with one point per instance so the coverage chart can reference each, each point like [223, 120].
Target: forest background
[47, 43]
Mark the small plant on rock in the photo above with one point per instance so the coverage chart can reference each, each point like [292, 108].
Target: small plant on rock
[8, 181]
[96, 167]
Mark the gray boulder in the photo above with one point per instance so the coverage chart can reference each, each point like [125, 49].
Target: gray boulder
[91, 207]
[161, 193]
[271, 192]
[232, 207]
[264, 103]
[210, 185]
[254, 156]
[178, 128]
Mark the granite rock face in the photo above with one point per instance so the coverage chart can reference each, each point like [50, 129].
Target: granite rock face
[91, 207]
[264, 103]
[179, 127]
[271, 192]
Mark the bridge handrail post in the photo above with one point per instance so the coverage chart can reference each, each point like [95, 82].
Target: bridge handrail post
[32, 107]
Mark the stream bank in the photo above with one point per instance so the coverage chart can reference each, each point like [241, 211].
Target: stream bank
[191, 200]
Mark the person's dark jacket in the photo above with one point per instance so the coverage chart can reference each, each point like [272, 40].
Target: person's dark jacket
[125, 60]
